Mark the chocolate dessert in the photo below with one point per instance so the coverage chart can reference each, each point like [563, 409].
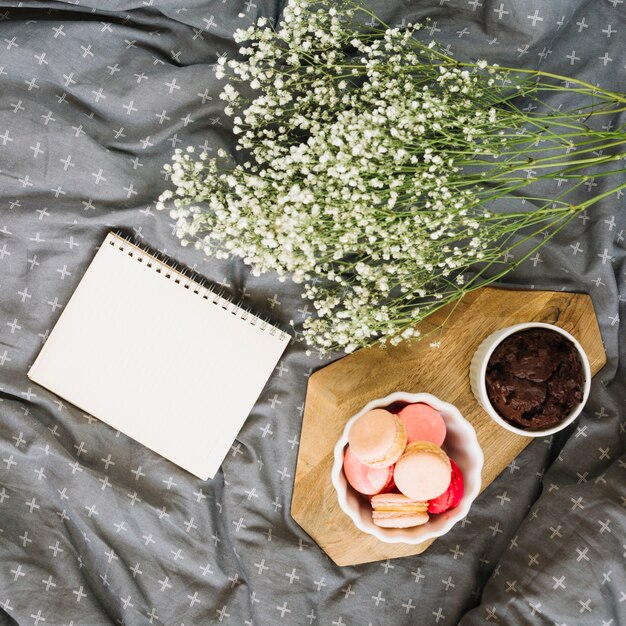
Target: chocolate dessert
[535, 378]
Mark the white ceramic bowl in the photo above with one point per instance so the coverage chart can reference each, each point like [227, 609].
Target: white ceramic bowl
[478, 369]
[461, 445]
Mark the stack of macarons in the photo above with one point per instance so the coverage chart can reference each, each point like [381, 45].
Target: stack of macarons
[396, 458]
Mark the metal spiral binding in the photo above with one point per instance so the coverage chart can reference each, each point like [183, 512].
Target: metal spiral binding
[194, 282]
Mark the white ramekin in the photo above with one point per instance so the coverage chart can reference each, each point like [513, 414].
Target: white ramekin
[478, 369]
[461, 445]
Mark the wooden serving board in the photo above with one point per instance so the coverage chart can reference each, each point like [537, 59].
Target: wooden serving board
[338, 391]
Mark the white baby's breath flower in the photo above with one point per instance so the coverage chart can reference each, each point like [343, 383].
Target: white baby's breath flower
[352, 180]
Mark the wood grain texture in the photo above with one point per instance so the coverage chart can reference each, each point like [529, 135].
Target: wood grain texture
[338, 391]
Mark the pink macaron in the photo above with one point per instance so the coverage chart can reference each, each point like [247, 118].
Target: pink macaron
[423, 423]
[377, 438]
[365, 479]
[395, 510]
[423, 472]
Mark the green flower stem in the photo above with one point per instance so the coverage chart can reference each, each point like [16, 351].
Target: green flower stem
[555, 226]
[479, 281]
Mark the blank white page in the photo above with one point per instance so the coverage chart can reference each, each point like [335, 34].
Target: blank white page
[176, 368]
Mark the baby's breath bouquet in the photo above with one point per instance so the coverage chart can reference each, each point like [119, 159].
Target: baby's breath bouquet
[385, 176]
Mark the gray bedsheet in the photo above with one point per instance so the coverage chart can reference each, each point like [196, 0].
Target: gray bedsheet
[95, 529]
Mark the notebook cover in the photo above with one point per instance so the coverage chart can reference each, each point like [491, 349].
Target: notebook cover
[158, 357]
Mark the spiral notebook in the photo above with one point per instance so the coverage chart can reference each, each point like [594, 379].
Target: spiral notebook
[159, 356]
